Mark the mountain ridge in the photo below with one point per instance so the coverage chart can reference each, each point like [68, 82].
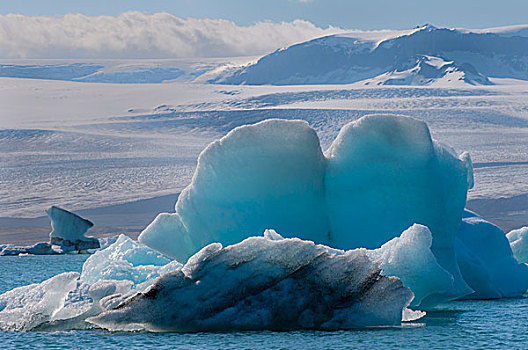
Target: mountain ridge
[342, 59]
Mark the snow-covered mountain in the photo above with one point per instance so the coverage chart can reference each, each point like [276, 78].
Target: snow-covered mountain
[430, 70]
[422, 56]
[419, 57]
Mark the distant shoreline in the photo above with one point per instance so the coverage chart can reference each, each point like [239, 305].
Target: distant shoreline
[131, 218]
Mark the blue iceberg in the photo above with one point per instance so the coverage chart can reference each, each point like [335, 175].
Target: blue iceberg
[487, 262]
[381, 175]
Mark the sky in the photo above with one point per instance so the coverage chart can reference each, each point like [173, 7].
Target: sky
[219, 28]
[352, 14]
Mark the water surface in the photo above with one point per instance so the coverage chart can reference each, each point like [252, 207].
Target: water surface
[464, 325]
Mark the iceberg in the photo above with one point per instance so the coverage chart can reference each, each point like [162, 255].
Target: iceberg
[267, 175]
[519, 244]
[127, 260]
[410, 258]
[261, 283]
[68, 231]
[487, 262]
[66, 236]
[352, 238]
[382, 174]
[65, 301]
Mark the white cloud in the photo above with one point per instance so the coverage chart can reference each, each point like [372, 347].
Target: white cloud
[140, 35]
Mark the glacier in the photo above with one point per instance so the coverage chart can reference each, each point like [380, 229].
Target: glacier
[467, 58]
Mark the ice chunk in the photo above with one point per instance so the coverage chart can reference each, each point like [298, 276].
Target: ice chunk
[486, 260]
[265, 284]
[267, 175]
[519, 244]
[28, 307]
[41, 248]
[107, 241]
[272, 235]
[261, 283]
[127, 260]
[384, 174]
[409, 315]
[68, 231]
[65, 301]
[66, 236]
[409, 257]
[61, 303]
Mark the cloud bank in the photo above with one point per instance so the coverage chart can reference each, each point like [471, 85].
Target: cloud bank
[140, 35]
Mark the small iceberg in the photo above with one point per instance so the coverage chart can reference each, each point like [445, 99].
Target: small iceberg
[487, 261]
[67, 236]
[68, 231]
[261, 283]
[519, 243]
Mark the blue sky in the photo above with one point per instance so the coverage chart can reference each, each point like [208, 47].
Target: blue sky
[363, 14]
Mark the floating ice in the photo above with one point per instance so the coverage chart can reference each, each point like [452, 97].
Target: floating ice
[68, 230]
[41, 248]
[267, 175]
[28, 307]
[66, 236]
[127, 260]
[519, 244]
[410, 258]
[260, 283]
[66, 300]
[384, 174]
[381, 175]
[486, 260]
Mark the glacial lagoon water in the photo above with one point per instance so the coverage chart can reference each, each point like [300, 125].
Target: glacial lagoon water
[464, 324]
